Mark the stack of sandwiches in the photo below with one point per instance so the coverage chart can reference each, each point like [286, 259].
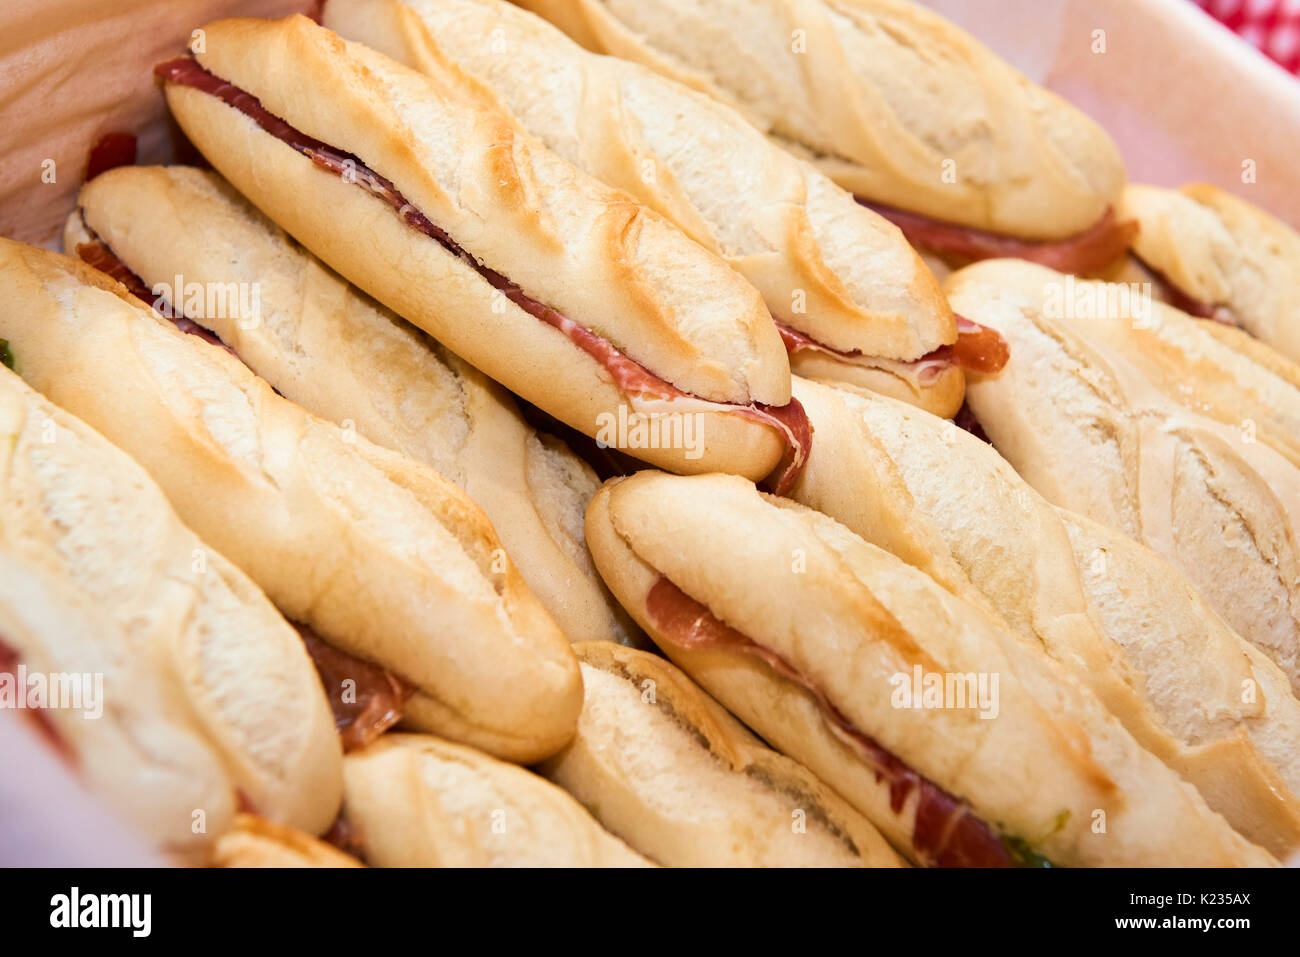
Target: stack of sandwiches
[610, 434]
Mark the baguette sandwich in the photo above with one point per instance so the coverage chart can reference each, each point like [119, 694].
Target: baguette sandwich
[331, 349]
[1216, 256]
[1111, 612]
[852, 299]
[372, 552]
[1082, 424]
[412, 800]
[818, 641]
[153, 665]
[897, 105]
[666, 768]
[564, 290]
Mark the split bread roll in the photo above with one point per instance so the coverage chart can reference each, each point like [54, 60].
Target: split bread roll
[810, 636]
[666, 768]
[331, 349]
[375, 553]
[1092, 434]
[518, 262]
[1228, 257]
[893, 102]
[827, 267]
[1113, 613]
[204, 693]
[415, 801]
[256, 842]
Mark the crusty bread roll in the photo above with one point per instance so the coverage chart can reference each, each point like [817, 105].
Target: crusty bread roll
[1233, 705]
[331, 349]
[148, 759]
[1222, 252]
[1110, 611]
[1092, 434]
[1209, 368]
[826, 266]
[256, 842]
[819, 608]
[567, 241]
[206, 691]
[415, 801]
[1206, 367]
[374, 552]
[665, 767]
[886, 96]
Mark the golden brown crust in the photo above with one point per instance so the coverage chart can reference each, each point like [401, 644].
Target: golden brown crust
[326, 346]
[1042, 771]
[377, 554]
[569, 241]
[666, 768]
[420, 281]
[894, 103]
[416, 801]
[825, 264]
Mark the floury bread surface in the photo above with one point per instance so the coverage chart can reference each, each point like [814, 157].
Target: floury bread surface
[883, 95]
[569, 242]
[1092, 433]
[330, 348]
[826, 265]
[375, 553]
[1037, 776]
[1113, 613]
[204, 691]
[666, 768]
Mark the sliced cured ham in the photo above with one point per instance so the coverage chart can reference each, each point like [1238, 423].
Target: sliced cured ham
[946, 832]
[1098, 246]
[632, 378]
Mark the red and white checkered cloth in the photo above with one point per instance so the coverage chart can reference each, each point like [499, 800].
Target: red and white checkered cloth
[1273, 26]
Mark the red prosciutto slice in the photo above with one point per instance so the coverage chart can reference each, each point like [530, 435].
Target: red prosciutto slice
[945, 833]
[1100, 245]
[109, 152]
[372, 704]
